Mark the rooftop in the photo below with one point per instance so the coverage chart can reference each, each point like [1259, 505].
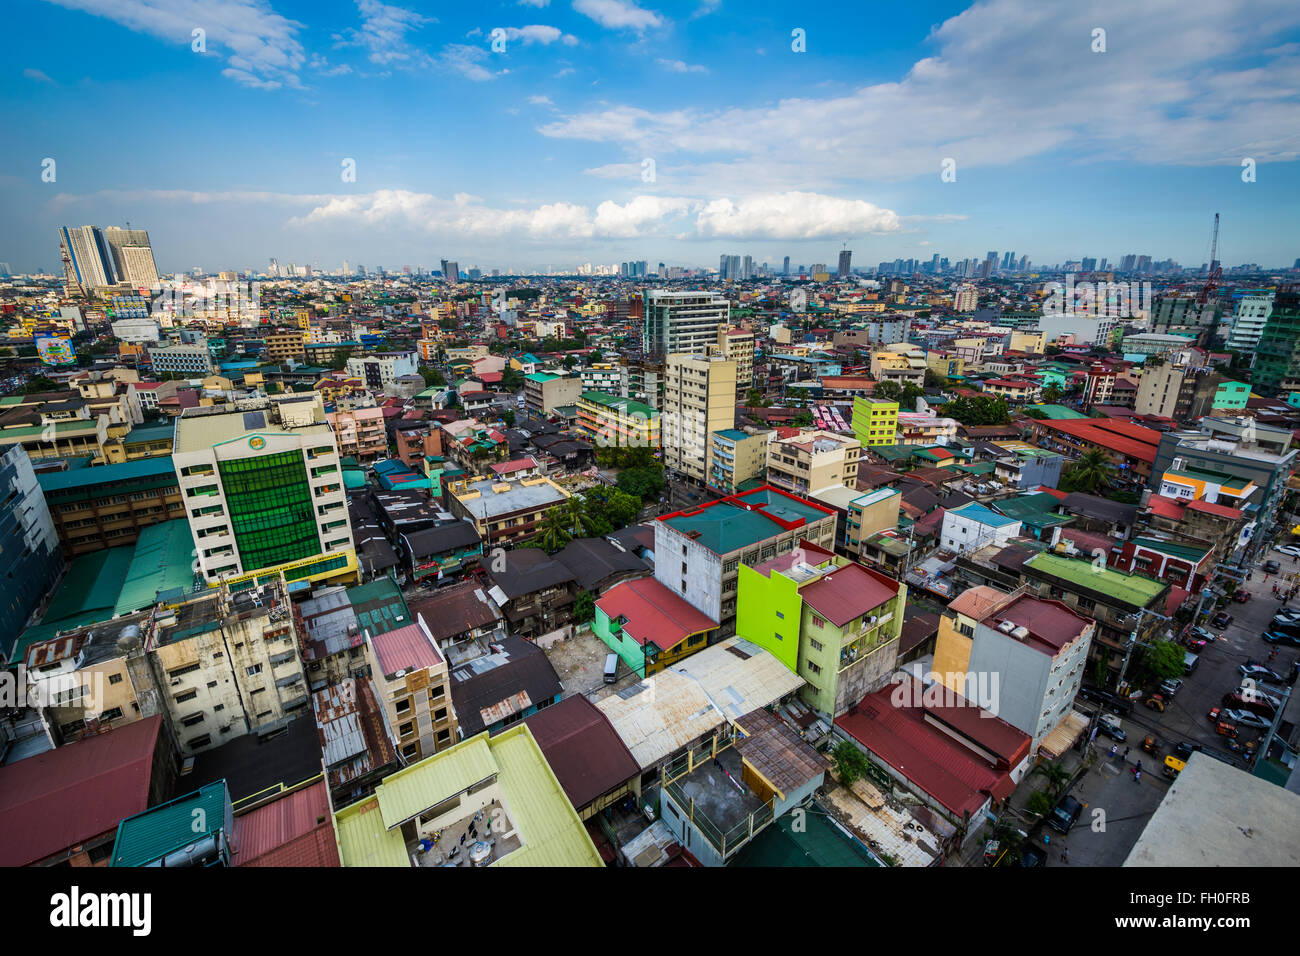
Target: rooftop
[1132, 589]
[650, 611]
[743, 520]
[405, 649]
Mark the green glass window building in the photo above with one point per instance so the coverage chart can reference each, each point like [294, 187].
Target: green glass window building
[271, 508]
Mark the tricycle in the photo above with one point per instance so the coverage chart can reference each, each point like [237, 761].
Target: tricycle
[1151, 744]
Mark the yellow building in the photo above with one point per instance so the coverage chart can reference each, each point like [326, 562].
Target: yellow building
[487, 801]
[1032, 342]
[699, 399]
[875, 421]
[610, 422]
[957, 632]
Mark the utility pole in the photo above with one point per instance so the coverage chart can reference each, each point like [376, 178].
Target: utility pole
[1134, 642]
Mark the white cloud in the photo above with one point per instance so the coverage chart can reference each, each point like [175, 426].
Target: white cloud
[793, 215]
[534, 3]
[678, 66]
[261, 47]
[537, 33]
[465, 60]
[540, 101]
[39, 76]
[1008, 80]
[618, 14]
[383, 34]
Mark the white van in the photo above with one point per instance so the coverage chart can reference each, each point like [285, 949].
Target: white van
[1189, 662]
[611, 668]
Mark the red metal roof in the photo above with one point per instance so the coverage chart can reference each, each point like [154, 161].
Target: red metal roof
[1051, 624]
[847, 593]
[66, 796]
[294, 830]
[1212, 509]
[1164, 507]
[952, 773]
[1135, 441]
[582, 747]
[653, 612]
[407, 648]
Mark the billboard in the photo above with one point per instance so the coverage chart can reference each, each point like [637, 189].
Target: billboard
[55, 350]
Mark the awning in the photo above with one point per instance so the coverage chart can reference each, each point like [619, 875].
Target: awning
[1063, 736]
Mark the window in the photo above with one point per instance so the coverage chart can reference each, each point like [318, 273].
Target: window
[818, 622]
[817, 645]
[407, 729]
[780, 615]
[115, 678]
[436, 693]
[403, 706]
[814, 668]
[200, 741]
[187, 669]
[440, 714]
[193, 720]
[444, 736]
[253, 669]
[188, 695]
[113, 714]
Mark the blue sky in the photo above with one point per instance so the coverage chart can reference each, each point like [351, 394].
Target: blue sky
[541, 153]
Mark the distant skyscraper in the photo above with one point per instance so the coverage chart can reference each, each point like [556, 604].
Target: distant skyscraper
[846, 256]
[1088, 264]
[87, 261]
[785, 269]
[132, 256]
[451, 270]
[273, 267]
[747, 268]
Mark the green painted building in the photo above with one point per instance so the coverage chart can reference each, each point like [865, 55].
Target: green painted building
[832, 621]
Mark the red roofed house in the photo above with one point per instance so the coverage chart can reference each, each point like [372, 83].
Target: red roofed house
[295, 828]
[1130, 448]
[409, 673]
[524, 467]
[62, 807]
[589, 758]
[649, 626]
[960, 761]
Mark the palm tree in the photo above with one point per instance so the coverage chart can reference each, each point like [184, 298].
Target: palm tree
[1051, 395]
[1057, 775]
[1093, 472]
[553, 533]
[576, 520]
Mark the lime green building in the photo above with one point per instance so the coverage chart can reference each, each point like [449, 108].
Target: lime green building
[832, 621]
[875, 421]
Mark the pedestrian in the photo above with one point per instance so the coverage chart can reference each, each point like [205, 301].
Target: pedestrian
[1065, 855]
[1126, 750]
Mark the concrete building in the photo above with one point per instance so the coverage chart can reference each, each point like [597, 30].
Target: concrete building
[379, 370]
[875, 421]
[107, 506]
[29, 547]
[973, 526]
[682, 321]
[263, 489]
[1183, 393]
[228, 665]
[698, 552]
[544, 392]
[1248, 321]
[900, 364]
[1182, 315]
[737, 345]
[360, 432]
[699, 399]
[285, 346]
[504, 512]
[833, 622]
[813, 461]
[737, 458]
[1277, 356]
[188, 360]
[869, 514]
[411, 680]
[611, 422]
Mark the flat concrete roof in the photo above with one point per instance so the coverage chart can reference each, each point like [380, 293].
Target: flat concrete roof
[201, 432]
[1216, 815]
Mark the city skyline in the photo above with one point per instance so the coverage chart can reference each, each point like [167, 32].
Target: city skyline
[712, 135]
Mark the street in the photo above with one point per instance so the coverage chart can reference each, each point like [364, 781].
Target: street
[1105, 838]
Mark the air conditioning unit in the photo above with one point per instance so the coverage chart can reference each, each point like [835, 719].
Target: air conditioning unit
[1006, 627]
[175, 681]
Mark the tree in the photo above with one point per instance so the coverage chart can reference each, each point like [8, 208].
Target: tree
[1057, 775]
[803, 420]
[1051, 395]
[552, 534]
[508, 416]
[978, 410]
[615, 507]
[340, 360]
[911, 392]
[888, 391]
[584, 608]
[432, 377]
[576, 520]
[644, 482]
[934, 380]
[38, 383]
[1093, 472]
[1160, 661]
[1039, 803]
[850, 763]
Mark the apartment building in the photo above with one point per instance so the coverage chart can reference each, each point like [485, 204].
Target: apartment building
[737, 345]
[674, 322]
[698, 552]
[29, 548]
[813, 461]
[360, 432]
[900, 364]
[832, 621]
[103, 507]
[263, 490]
[284, 346]
[544, 392]
[410, 677]
[699, 399]
[227, 664]
[868, 514]
[189, 360]
[378, 370]
[1180, 392]
[926, 428]
[737, 458]
[504, 512]
[608, 421]
[874, 421]
[608, 378]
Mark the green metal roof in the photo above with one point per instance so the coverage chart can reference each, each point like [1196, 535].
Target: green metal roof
[627, 406]
[1186, 551]
[163, 560]
[1132, 589]
[91, 586]
[1056, 412]
[156, 832]
[540, 376]
[1035, 509]
[108, 474]
[378, 605]
[143, 433]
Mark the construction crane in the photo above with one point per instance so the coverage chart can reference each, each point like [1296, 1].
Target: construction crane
[1216, 271]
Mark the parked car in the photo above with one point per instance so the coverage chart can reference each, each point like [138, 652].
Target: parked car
[1255, 705]
[1282, 637]
[1241, 597]
[1208, 636]
[1193, 643]
[1271, 567]
[1065, 814]
[1291, 549]
[1244, 718]
[1033, 857]
[1222, 619]
[1259, 672]
[1109, 725]
[1250, 692]
[1185, 750]
[1171, 687]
